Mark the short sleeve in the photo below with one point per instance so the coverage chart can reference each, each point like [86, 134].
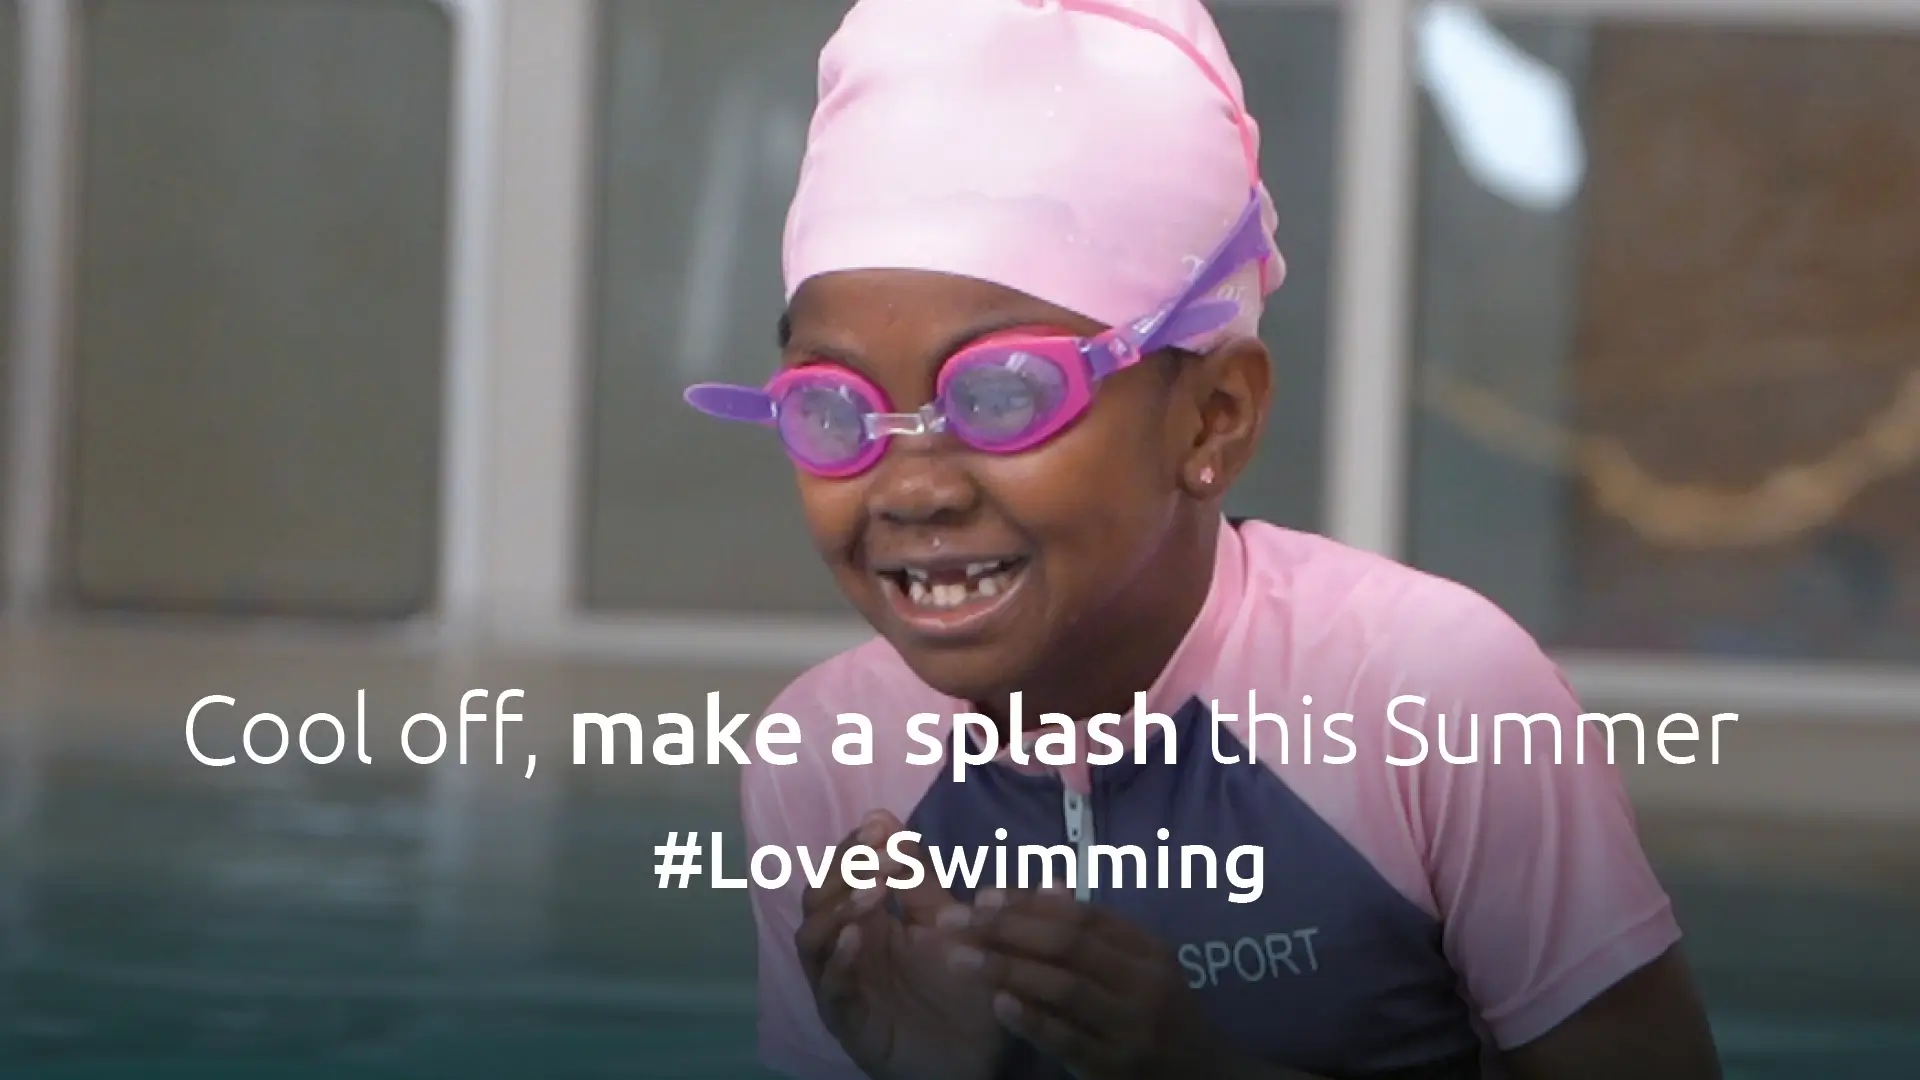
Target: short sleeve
[1546, 896]
[780, 807]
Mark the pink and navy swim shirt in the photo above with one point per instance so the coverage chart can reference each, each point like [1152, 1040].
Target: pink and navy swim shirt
[1414, 917]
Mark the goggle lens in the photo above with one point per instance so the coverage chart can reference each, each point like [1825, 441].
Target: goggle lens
[823, 421]
[1001, 401]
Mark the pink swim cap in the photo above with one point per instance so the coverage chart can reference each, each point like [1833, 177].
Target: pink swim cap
[1090, 153]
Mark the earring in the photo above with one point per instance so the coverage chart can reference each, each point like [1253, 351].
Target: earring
[1206, 476]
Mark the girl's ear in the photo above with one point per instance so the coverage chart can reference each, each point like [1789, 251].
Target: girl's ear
[1230, 392]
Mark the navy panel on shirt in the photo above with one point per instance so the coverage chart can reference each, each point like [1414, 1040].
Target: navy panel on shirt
[1331, 970]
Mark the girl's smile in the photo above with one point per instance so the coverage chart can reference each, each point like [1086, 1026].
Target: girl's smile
[949, 598]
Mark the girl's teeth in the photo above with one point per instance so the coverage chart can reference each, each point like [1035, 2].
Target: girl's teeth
[926, 594]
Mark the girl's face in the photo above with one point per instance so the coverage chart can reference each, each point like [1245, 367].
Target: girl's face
[1079, 562]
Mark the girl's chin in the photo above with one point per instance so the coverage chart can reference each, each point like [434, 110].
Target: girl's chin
[981, 673]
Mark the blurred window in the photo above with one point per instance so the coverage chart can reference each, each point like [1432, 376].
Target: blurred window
[1669, 301]
[261, 268]
[9, 169]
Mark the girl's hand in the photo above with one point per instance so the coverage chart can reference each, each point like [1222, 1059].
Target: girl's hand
[1088, 989]
[883, 986]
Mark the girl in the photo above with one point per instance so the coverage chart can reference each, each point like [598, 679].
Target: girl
[1025, 266]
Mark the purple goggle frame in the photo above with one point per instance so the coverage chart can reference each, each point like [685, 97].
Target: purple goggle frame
[1003, 395]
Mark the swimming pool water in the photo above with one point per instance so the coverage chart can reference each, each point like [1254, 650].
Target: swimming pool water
[154, 927]
[1789, 1005]
[231, 1039]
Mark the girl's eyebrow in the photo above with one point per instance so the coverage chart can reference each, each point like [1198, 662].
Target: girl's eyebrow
[783, 335]
[984, 328]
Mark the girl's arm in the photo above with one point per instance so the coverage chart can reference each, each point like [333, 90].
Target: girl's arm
[1651, 1025]
[1564, 937]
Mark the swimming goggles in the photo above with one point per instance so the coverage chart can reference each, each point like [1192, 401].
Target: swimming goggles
[1004, 394]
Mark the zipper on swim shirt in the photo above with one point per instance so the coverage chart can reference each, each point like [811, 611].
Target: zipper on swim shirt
[1079, 813]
